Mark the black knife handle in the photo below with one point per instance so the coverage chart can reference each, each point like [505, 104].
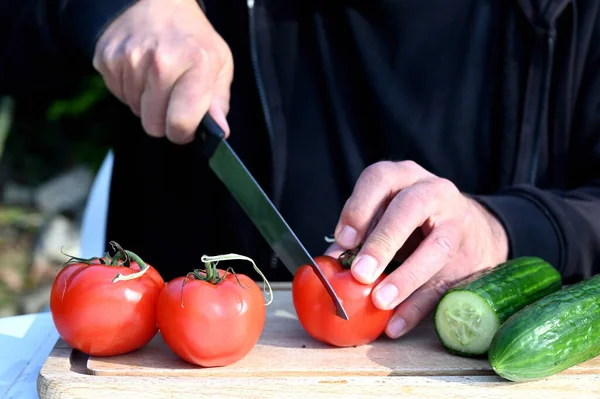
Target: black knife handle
[211, 135]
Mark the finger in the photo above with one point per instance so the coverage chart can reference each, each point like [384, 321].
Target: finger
[134, 75]
[376, 185]
[163, 71]
[410, 209]
[221, 94]
[414, 309]
[107, 61]
[435, 252]
[417, 206]
[334, 250]
[190, 99]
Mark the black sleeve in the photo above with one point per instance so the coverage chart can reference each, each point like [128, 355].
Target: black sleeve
[44, 43]
[563, 226]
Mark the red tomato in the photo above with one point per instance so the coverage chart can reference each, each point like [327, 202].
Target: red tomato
[316, 310]
[104, 318]
[211, 324]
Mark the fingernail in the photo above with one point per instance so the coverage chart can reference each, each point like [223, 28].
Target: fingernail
[395, 327]
[347, 237]
[364, 267]
[386, 294]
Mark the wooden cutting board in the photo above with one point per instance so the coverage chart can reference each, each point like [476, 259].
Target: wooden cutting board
[288, 363]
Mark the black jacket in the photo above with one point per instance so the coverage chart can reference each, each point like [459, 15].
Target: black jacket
[501, 97]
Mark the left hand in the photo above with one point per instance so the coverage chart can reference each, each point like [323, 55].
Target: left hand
[392, 205]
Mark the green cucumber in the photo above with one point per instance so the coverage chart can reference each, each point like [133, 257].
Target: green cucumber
[550, 335]
[469, 313]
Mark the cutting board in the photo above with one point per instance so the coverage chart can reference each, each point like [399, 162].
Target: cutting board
[287, 362]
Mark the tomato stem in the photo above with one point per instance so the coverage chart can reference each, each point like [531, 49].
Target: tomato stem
[347, 257]
[128, 255]
[208, 260]
[211, 275]
[139, 261]
[120, 254]
[115, 260]
[72, 259]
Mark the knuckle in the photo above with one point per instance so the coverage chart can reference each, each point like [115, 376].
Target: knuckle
[352, 211]
[161, 62]
[106, 54]
[381, 243]
[108, 58]
[153, 127]
[132, 54]
[179, 127]
[439, 286]
[443, 244]
[410, 166]
[420, 309]
[153, 132]
[444, 186]
[417, 198]
[199, 54]
[177, 122]
[411, 278]
[378, 172]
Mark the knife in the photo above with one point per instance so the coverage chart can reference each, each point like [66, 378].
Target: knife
[243, 187]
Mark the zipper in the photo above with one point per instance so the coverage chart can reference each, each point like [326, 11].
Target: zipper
[543, 107]
[263, 100]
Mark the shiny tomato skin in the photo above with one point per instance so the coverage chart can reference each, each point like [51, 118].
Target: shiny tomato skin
[217, 325]
[316, 311]
[101, 318]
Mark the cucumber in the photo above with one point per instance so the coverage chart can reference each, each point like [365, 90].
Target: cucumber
[469, 313]
[550, 335]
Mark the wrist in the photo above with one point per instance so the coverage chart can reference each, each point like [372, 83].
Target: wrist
[498, 242]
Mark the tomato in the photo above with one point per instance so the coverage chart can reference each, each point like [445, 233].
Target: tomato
[100, 317]
[316, 310]
[211, 318]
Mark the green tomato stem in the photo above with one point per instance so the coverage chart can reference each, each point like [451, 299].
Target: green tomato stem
[347, 257]
[208, 260]
[210, 274]
[119, 255]
[139, 261]
[75, 259]
[128, 257]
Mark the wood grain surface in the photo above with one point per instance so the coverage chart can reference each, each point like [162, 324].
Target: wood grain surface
[288, 363]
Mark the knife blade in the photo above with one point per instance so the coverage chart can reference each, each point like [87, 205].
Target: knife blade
[232, 172]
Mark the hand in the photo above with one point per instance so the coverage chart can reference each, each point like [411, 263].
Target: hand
[401, 207]
[164, 59]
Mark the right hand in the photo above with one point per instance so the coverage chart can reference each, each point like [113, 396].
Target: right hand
[165, 61]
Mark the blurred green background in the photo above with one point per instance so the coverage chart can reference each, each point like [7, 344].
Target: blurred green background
[50, 151]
